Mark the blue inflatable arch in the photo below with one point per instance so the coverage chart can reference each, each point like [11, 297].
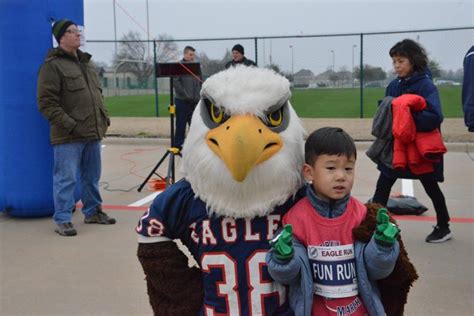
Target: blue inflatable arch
[26, 157]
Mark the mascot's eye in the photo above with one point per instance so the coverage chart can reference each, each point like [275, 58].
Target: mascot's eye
[275, 118]
[216, 113]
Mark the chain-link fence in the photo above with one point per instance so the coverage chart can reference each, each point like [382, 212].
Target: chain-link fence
[325, 70]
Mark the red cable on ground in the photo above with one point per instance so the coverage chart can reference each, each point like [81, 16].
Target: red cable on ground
[154, 184]
[134, 164]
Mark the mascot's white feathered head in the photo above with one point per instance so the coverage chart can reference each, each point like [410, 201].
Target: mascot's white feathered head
[244, 151]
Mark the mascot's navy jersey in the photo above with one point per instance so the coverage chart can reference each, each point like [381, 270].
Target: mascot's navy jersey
[230, 252]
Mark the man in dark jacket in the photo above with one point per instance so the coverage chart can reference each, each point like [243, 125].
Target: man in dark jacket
[238, 57]
[69, 96]
[187, 94]
[468, 90]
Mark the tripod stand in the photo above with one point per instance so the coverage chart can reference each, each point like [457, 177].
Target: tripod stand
[171, 152]
[171, 70]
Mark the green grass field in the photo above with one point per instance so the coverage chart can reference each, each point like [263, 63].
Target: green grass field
[307, 103]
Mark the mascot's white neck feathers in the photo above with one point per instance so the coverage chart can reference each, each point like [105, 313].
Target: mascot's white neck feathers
[244, 91]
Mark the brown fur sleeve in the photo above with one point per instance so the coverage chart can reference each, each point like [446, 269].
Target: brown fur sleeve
[394, 288]
[173, 287]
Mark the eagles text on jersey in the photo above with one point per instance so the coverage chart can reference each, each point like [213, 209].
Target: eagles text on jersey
[231, 252]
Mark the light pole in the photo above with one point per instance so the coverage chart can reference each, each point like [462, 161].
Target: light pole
[115, 30]
[148, 29]
[292, 63]
[270, 57]
[353, 46]
[333, 60]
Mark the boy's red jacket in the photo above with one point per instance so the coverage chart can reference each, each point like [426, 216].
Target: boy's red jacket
[412, 149]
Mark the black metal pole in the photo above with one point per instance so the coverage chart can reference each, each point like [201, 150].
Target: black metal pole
[153, 172]
[256, 50]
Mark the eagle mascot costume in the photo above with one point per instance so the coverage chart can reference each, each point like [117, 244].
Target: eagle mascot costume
[242, 163]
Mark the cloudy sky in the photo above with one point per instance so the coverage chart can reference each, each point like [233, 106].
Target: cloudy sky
[216, 19]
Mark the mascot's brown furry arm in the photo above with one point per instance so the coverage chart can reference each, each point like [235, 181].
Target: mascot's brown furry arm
[173, 287]
[394, 288]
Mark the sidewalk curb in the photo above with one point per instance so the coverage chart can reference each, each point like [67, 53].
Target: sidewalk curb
[160, 141]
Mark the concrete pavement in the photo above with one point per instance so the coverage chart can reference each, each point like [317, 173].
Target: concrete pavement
[97, 273]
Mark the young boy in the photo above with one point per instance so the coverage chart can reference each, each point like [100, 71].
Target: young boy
[319, 252]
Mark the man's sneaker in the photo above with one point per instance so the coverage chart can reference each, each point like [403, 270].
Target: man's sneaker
[439, 234]
[65, 229]
[99, 217]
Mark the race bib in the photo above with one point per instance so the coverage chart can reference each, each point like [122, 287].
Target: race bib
[334, 270]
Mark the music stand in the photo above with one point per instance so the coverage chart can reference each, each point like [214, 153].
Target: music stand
[171, 70]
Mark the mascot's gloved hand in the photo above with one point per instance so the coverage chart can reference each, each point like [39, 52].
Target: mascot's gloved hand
[282, 244]
[386, 232]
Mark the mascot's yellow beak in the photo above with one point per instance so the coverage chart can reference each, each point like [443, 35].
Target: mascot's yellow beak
[243, 142]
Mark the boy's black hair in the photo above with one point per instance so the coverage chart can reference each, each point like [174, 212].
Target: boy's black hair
[413, 51]
[188, 48]
[329, 141]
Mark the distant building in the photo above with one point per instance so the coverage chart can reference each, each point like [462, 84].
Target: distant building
[329, 78]
[323, 79]
[303, 78]
[126, 83]
[442, 82]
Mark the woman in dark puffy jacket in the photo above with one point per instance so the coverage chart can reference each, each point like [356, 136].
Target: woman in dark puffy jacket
[410, 63]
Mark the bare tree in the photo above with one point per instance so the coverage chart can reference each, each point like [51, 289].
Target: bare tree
[133, 55]
[210, 66]
[276, 68]
[435, 68]
[456, 75]
[166, 49]
[334, 77]
[371, 73]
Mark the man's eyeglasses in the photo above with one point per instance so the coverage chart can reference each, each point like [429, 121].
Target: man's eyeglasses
[73, 31]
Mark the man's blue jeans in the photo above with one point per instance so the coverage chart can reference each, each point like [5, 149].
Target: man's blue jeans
[71, 161]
